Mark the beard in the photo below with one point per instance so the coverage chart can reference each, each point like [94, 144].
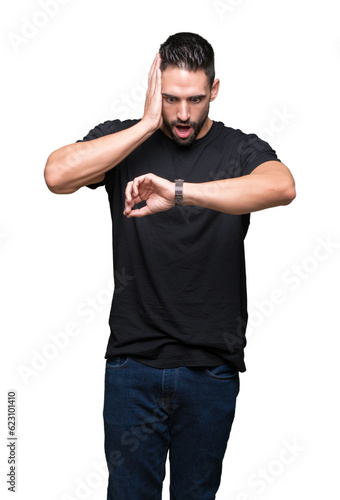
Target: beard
[195, 126]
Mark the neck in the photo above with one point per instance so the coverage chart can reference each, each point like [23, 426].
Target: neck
[205, 129]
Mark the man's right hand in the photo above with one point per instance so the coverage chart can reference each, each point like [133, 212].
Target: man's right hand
[153, 102]
[76, 165]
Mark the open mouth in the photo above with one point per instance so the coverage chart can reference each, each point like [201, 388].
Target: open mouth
[183, 131]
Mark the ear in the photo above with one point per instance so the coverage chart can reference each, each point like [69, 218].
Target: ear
[214, 89]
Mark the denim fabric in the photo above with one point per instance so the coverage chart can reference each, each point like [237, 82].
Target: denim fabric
[150, 411]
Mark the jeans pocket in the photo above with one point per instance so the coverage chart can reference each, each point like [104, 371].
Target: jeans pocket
[116, 362]
[222, 372]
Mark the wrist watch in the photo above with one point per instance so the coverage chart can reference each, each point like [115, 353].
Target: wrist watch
[179, 192]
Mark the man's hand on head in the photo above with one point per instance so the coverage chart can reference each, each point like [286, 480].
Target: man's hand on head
[153, 101]
[158, 193]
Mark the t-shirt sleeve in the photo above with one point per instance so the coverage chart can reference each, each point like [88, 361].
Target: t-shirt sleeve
[254, 152]
[105, 128]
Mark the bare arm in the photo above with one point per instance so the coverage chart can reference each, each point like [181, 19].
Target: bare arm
[76, 165]
[270, 184]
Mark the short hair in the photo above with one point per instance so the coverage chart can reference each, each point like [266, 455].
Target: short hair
[188, 51]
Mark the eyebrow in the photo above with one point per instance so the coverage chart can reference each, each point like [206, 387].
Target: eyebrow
[164, 94]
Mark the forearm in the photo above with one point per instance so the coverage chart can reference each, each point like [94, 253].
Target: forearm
[241, 195]
[78, 164]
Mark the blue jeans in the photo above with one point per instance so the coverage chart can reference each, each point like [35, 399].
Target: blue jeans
[148, 411]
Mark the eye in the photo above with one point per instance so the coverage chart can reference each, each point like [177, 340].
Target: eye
[195, 100]
[170, 100]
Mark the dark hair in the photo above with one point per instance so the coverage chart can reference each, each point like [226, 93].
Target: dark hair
[190, 52]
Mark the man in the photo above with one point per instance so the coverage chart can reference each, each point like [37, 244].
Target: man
[178, 324]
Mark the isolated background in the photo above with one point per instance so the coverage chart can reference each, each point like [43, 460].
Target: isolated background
[278, 62]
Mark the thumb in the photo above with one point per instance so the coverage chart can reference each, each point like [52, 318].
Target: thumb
[138, 212]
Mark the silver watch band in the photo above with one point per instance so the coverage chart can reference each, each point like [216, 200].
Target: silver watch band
[179, 192]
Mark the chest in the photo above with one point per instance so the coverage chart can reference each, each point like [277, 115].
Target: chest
[195, 164]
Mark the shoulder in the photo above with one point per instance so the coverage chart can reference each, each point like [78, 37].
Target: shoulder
[232, 133]
[241, 140]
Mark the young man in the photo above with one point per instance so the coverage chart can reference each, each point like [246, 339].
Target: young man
[178, 325]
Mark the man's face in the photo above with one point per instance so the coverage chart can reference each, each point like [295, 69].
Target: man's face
[186, 97]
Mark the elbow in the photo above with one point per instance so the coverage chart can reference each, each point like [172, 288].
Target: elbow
[51, 181]
[51, 175]
[282, 193]
[54, 179]
[289, 193]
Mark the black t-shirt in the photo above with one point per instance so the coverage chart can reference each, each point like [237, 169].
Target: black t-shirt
[180, 297]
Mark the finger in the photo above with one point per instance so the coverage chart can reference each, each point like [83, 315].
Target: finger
[128, 191]
[158, 83]
[135, 186]
[154, 62]
[159, 60]
[132, 187]
[132, 191]
[152, 76]
[138, 212]
[151, 73]
[143, 180]
[130, 204]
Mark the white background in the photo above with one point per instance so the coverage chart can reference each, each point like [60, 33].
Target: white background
[278, 62]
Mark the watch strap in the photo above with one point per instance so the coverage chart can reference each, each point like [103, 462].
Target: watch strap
[179, 192]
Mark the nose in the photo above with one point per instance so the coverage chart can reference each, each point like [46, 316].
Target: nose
[183, 111]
